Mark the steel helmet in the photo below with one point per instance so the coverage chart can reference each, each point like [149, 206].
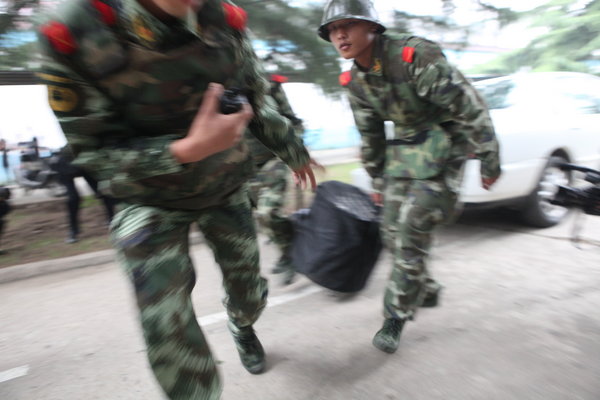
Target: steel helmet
[336, 10]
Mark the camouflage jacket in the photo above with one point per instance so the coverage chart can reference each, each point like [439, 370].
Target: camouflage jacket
[439, 118]
[124, 85]
[260, 153]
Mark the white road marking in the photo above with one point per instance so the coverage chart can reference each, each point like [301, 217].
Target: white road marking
[272, 302]
[14, 373]
[204, 321]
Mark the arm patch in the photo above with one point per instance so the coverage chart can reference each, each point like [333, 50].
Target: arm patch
[65, 97]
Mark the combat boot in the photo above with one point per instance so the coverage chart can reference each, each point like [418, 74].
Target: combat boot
[72, 238]
[387, 338]
[431, 299]
[249, 348]
[286, 267]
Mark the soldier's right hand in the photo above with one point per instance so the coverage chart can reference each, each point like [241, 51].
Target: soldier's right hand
[211, 131]
[377, 198]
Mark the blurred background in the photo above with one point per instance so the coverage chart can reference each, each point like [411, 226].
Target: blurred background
[483, 38]
[520, 308]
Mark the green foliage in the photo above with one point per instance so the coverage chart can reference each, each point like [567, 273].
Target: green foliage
[294, 49]
[16, 17]
[571, 40]
[19, 57]
[14, 13]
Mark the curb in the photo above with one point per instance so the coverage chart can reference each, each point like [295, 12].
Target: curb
[31, 270]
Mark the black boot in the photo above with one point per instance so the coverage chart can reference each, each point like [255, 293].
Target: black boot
[286, 267]
[431, 299]
[72, 238]
[387, 338]
[249, 348]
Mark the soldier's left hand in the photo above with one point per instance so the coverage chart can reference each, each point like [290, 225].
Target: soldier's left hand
[304, 174]
[487, 183]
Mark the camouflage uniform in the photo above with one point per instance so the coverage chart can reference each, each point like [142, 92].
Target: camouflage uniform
[124, 85]
[439, 121]
[268, 186]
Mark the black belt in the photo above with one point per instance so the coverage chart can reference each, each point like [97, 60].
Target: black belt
[419, 138]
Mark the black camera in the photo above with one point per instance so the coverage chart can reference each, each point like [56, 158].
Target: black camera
[586, 199]
[232, 101]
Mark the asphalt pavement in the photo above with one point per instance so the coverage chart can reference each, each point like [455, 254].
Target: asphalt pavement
[518, 321]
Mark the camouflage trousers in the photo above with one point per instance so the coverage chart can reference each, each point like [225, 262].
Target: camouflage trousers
[412, 210]
[267, 193]
[153, 248]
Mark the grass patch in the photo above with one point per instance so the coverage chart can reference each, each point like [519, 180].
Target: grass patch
[89, 201]
[339, 172]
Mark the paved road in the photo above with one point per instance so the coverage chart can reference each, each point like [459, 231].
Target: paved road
[519, 320]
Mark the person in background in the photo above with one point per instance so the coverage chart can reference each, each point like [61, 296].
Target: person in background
[5, 163]
[268, 187]
[439, 122]
[4, 209]
[67, 172]
[140, 93]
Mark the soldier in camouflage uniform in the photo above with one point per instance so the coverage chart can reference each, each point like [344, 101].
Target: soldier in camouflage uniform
[136, 85]
[439, 121]
[268, 187]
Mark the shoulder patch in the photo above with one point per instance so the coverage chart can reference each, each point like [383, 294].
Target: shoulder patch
[236, 17]
[345, 78]
[62, 99]
[59, 36]
[408, 54]
[108, 14]
[279, 78]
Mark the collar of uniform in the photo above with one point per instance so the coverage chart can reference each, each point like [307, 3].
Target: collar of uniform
[151, 31]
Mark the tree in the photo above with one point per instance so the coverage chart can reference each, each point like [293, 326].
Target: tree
[443, 26]
[289, 41]
[570, 42]
[12, 15]
[15, 28]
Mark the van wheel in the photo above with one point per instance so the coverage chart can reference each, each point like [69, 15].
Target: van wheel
[538, 212]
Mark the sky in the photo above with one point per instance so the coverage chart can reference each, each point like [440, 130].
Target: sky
[24, 112]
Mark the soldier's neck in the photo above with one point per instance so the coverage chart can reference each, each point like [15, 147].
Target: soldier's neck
[364, 60]
[364, 63]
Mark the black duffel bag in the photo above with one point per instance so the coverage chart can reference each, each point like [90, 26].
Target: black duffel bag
[336, 241]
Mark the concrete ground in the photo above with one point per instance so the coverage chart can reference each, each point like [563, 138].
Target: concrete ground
[519, 320]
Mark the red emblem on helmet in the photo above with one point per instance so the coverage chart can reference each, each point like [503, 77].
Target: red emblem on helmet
[279, 78]
[107, 12]
[345, 78]
[235, 17]
[408, 54]
[59, 37]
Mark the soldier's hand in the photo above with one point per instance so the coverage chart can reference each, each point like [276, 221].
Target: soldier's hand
[487, 183]
[304, 174]
[211, 132]
[377, 198]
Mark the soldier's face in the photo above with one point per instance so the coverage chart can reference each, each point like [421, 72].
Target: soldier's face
[353, 39]
[178, 8]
